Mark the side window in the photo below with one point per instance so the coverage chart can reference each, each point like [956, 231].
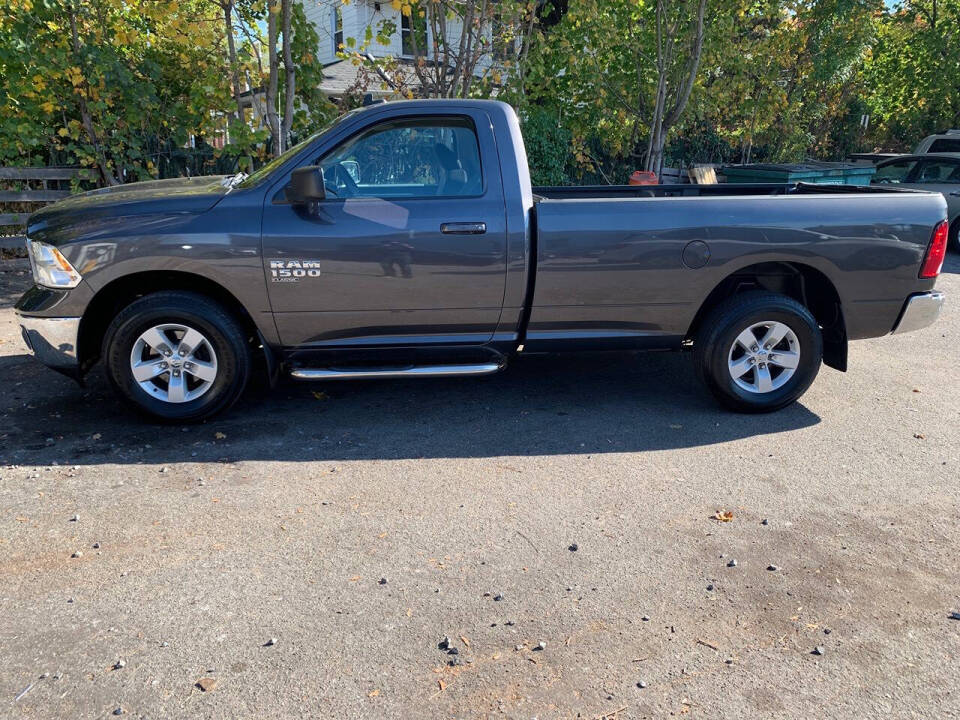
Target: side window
[407, 158]
[945, 145]
[895, 172]
[937, 171]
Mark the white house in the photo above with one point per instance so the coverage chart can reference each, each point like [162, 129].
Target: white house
[336, 22]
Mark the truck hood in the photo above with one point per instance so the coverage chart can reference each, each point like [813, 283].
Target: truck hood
[110, 208]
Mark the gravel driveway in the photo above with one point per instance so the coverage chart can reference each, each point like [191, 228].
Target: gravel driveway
[305, 555]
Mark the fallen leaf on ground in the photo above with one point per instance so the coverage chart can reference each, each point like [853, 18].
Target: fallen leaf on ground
[442, 684]
[464, 641]
[723, 515]
[220, 436]
[206, 684]
[373, 693]
[918, 436]
[320, 395]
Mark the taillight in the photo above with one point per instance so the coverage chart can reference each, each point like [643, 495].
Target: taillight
[936, 252]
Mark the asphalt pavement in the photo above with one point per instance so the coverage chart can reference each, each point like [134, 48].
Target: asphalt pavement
[569, 527]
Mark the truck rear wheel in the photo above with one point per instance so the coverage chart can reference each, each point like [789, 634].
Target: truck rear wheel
[758, 351]
[177, 356]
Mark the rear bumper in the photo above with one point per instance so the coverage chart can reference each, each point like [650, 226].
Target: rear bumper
[919, 311]
[53, 340]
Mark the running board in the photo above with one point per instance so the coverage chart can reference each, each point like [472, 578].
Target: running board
[418, 371]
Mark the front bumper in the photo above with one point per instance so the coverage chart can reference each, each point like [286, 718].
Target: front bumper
[919, 311]
[53, 340]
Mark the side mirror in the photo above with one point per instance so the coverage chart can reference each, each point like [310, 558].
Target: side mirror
[306, 185]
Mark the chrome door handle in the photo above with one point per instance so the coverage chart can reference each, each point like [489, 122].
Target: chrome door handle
[463, 228]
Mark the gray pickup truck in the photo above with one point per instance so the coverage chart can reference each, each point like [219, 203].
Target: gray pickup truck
[406, 241]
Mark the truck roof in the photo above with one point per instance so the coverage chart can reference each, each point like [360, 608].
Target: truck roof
[434, 103]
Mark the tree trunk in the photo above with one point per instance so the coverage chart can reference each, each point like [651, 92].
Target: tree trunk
[227, 6]
[289, 73]
[655, 143]
[108, 177]
[667, 56]
[273, 120]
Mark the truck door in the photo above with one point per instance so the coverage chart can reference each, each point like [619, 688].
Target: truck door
[409, 246]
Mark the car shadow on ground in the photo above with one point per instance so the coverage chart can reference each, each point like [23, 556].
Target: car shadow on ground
[598, 403]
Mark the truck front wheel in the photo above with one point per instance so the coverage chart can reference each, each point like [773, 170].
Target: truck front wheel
[758, 351]
[177, 356]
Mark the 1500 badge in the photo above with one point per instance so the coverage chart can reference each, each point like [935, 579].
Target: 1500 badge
[287, 271]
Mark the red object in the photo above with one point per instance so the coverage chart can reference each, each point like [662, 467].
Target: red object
[643, 177]
[936, 252]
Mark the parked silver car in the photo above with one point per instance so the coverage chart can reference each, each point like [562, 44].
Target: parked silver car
[931, 171]
[946, 142]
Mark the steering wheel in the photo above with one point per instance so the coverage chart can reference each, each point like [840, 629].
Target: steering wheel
[342, 184]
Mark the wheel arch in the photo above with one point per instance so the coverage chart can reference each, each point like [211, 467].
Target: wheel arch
[119, 293]
[804, 283]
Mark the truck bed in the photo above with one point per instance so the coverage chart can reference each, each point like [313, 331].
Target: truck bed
[583, 192]
[629, 266]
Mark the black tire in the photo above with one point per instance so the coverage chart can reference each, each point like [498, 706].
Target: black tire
[218, 326]
[720, 329]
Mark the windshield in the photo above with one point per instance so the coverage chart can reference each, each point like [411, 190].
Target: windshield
[263, 173]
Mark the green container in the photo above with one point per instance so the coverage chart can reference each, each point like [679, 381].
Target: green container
[819, 173]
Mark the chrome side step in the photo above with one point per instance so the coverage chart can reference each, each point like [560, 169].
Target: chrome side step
[417, 371]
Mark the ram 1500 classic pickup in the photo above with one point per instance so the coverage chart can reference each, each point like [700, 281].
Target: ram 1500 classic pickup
[406, 240]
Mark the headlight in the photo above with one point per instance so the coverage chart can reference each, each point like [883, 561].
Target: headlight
[50, 267]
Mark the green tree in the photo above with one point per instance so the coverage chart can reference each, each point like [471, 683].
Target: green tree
[912, 74]
[100, 82]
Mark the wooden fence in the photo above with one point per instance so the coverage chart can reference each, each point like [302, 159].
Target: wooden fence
[36, 187]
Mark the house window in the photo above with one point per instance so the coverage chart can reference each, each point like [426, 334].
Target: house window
[413, 26]
[336, 24]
